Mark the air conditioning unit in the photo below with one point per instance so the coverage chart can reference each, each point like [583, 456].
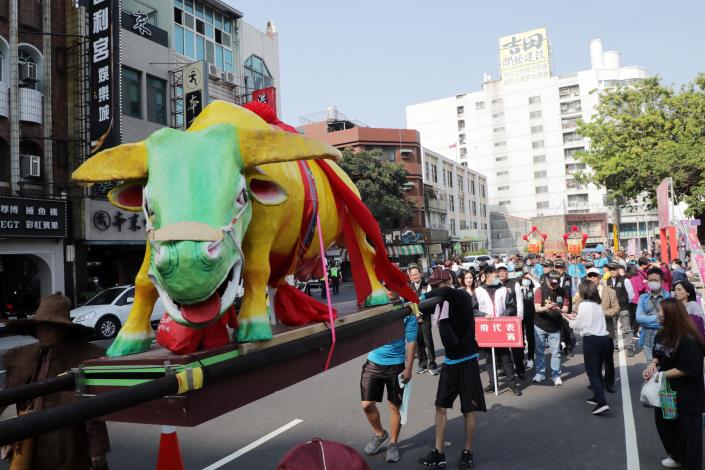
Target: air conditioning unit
[230, 77]
[30, 166]
[28, 72]
[213, 70]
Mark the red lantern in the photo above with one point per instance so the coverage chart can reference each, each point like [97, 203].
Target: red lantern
[535, 240]
[575, 241]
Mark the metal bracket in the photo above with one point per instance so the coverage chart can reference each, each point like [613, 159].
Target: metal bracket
[79, 374]
[170, 370]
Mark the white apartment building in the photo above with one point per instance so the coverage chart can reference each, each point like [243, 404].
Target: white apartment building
[522, 135]
[456, 201]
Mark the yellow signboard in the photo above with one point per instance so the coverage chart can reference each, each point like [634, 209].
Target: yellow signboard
[524, 56]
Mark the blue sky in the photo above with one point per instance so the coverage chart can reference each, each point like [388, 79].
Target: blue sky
[372, 58]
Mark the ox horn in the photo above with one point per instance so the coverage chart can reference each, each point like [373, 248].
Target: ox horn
[259, 147]
[124, 162]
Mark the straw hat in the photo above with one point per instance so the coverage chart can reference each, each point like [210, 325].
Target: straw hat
[54, 309]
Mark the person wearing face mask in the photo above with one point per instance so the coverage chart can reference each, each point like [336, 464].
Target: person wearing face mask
[622, 288]
[550, 303]
[62, 345]
[527, 298]
[494, 300]
[514, 285]
[647, 310]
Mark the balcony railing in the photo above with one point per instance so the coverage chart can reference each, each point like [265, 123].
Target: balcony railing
[437, 205]
[30, 105]
[4, 100]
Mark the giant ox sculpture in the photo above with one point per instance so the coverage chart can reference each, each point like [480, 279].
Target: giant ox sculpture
[233, 199]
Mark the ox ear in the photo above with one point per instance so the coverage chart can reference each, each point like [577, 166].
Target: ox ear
[124, 162]
[259, 147]
[127, 196]
[264, 189]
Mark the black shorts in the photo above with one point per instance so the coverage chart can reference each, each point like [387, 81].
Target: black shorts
[461, 379]
[375, 378]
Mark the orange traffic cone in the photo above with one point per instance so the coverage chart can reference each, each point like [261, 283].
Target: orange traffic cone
[169, 457]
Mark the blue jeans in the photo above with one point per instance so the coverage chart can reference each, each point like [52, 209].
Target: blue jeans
[554, 344]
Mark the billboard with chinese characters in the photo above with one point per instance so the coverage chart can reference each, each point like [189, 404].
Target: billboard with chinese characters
[266, 95]
[524, 56]
[499, 332]
[22, 217]
[104, 222]
[195, 82]
[104, 58]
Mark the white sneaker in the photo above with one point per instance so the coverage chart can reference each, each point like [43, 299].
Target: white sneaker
[557, 382]
[538, 378]
[668, 462]
[529, 364]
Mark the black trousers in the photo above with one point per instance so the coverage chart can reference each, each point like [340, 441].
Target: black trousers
[518, 358]
[632, 320]
[504, 356]
[336, 285]
[609, 363]
[528, 324]
[425, 349]
[594, 352]
[682, 438]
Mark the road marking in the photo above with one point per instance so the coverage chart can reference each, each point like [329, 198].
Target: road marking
[253, 445]
[627, 411]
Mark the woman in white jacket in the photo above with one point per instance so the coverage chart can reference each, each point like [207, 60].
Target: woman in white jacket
[590, 323]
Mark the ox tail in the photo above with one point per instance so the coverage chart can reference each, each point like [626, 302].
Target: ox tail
[294, 307]
[355, 212]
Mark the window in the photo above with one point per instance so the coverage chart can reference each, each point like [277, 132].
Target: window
[480, 105]
[542, 205]
[498, 129]
[461, 110]
[534, 99]
[197, 36]
[569, 91]
[452, 226]
[498, 101]
[540, 174]
[461, 186]
[472, 187]
[569, 123]
[498, 115]
[482, 190]
[450, 178]
[536, 129]
[502, 173]
[461, 124]
[570, 153]
[571, 167]
[500, 159]
[132, 93]
[502, 188]
[257, 74]
[541, 189]
[461, 139]
[504, 203]
[434, 173]
[577, 199]
[463, 225]
[451, 203]
[571, 137]
[156, 100]
[535, 114]
[444, 176]
[500, 144]
[539, 158]
[461, 204]
[570, 107]
[463, 152]
[483, 210]
[537, 144]
[474, 208]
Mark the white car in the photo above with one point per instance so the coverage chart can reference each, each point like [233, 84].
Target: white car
[107, 311]
[473, 262]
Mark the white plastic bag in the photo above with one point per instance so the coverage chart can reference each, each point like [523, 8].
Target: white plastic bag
[649, 391]
[405, 399]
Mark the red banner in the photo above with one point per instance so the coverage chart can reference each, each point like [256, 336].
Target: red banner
[267, 96]
[501, 332]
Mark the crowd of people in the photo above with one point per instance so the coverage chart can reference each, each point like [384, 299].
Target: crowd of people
[637, 302]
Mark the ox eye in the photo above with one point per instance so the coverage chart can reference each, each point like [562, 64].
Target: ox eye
[242, 197]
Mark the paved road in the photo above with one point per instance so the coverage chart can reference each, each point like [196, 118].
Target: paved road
[546, 428]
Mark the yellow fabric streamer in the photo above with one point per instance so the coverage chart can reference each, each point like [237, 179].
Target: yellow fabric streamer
[189, 380]
[415, 309]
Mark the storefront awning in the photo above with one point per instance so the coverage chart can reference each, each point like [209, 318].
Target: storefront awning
[410, 250]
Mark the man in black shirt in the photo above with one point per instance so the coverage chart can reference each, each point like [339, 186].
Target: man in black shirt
[550, 302]
[425, 348]
[618, 283]
[460, 374]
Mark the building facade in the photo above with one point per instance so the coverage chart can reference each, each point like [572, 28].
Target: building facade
[33, 150]
[522, 135]
[161, 44]
[456, 201]
[508, 232]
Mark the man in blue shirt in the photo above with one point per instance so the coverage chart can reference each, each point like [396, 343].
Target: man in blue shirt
[381, 371]
[601, 262]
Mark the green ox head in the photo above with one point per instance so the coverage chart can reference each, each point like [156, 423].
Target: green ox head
[196, 189]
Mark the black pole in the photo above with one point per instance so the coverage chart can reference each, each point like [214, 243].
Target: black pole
[36, 389]
[19, 428]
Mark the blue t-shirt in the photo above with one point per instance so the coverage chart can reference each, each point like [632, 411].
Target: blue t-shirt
[395, 352]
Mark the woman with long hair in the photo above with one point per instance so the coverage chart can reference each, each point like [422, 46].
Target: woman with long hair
[685, 292]
[467, 282]
[591, 324]
[678, 352]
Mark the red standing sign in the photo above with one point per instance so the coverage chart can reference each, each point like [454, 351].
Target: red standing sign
[500, 332]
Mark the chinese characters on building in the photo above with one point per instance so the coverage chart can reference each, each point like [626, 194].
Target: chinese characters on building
[195, 90]
[22, 217]
[104, 59]
[524, 56]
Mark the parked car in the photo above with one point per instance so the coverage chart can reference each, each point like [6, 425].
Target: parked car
[473, 262]
[107, 311]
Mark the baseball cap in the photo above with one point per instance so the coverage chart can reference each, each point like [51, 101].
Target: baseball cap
[559, 263]
[548, 263]
[612, 265]
[439, 276]
[499, 266]
[594, 271]
[553, 276]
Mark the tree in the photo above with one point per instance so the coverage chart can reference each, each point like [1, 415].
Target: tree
[381, 186]
[644, 133]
